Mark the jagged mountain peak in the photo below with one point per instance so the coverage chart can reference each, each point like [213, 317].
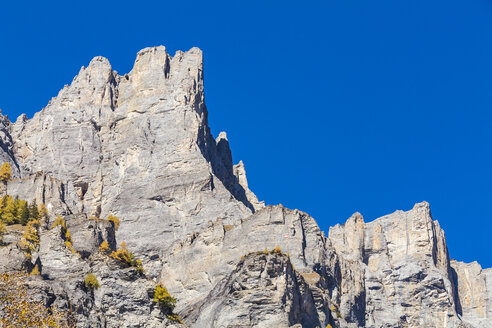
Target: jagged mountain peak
[104, 128]
[138, 146]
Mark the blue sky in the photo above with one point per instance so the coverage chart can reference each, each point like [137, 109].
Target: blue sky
[334, 106]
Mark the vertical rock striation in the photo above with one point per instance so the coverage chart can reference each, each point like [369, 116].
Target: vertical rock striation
[263, 290]
[474, 293]
[405, 268]
[138, 146]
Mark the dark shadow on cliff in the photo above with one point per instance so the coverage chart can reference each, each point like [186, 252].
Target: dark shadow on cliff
[457, 302]
[218, 154]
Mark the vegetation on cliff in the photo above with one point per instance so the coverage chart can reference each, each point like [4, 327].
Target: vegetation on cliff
[5, 172]
[127, 259]
[20, 309]
[91, 281]
[166, 302]
[19, 211]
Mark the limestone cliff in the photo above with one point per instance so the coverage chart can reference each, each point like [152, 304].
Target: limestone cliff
[138, 146]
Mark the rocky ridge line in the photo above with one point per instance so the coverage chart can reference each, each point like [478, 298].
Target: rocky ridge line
[138, 146]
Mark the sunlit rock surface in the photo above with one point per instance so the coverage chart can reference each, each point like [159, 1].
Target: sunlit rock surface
[138, 146]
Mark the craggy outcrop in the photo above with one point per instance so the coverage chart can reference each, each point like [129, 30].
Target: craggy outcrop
[138, 146]
[402, 270]
[474, 293]
[263, 290]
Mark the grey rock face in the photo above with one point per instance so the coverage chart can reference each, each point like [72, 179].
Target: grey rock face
[240, 173]
[88, 234]
[474, 290]
[138, 146]
[263, 291]
[44, 189]
[7, 143]
[405, 264]
[213, 253]
[12, 258]
[57, 260]
[124, 298]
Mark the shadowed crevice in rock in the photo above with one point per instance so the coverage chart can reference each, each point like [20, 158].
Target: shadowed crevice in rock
[7, 143]
[473, 293]
[218, 153]
[263, 290]
[457, 301]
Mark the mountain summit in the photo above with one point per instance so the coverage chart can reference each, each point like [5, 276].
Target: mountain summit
[137, 149]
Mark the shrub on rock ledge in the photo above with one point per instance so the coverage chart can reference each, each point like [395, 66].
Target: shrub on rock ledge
[175, 318]
[91, 281]
[114, 220]
[104, 247]
[67, 236]
[35, 271]
[127, 259]
[163, 298]
[277, 250]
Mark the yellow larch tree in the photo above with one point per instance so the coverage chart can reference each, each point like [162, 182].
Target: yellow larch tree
[5, 172]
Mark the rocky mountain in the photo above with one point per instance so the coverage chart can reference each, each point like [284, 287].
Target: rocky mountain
[138, 146]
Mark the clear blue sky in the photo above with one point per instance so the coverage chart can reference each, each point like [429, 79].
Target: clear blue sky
[334, 106]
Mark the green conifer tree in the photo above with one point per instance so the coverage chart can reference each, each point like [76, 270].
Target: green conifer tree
[17, 204]
[33, 211]
[23, 212]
